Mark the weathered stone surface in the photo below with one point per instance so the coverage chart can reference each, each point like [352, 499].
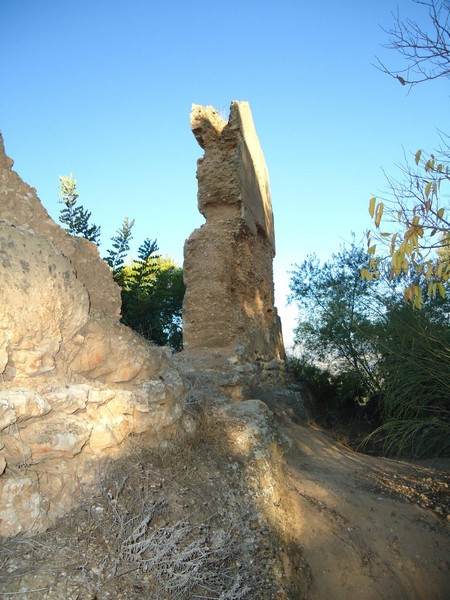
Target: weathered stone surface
[42, 302]
[69, 399]
[31, 500]
[58, 436]
[229, 301]
[250, 437]
[20, 404]
[20, 206]
[20, 495]
[107, 351]
[74, 382]
[240, 185]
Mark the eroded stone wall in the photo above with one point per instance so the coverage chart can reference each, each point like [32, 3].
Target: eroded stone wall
[74, 382]
[229, 302]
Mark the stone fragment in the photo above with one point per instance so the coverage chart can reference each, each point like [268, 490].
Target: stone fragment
[250, 438]
[81, 382]
[15, 451]
[55, 437]
[19, 496]
[17, 405]
[69, 398]
[75, 383]
[30, 502]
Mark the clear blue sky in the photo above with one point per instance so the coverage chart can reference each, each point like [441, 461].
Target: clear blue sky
[103, 89]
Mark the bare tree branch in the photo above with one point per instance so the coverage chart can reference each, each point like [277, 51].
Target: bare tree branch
[427, 54]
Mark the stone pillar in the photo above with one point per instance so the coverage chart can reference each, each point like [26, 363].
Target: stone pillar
[229, 302]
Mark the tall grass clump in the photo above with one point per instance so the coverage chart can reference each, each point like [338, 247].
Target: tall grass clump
[415, 375]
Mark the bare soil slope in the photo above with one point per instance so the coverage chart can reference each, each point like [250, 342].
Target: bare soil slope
[183, 523]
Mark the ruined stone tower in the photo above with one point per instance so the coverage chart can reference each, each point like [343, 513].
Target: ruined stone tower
[229, 303]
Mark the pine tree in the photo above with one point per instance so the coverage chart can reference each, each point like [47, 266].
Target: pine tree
[76, 218]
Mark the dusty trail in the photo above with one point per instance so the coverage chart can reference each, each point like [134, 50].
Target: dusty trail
[358, 542]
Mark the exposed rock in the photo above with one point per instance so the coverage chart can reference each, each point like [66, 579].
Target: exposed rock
[229, 302]
[43, 303]
[20, 205]
[69, 399]
[41, 493]
[107, 351]
[249, 437]
[20, 404]
[58, 436]
[75, 383]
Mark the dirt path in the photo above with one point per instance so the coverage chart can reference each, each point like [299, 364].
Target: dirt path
[357, 541]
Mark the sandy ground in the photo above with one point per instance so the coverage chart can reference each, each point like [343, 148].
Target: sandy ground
[360, 535]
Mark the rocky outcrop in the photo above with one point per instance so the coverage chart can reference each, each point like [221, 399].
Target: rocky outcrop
[229, 302]
[74, 382]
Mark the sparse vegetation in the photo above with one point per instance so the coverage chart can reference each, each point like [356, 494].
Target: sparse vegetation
[173, 522]
[152, 286]
[74, 216]
[369, 356]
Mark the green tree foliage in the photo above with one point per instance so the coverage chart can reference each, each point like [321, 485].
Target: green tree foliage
[73, 216]
[415, 375]
[400, 353]
[152, 286]
[120, 248]
[337, 314]
[360, 341]
[152, 297]
[337, 392]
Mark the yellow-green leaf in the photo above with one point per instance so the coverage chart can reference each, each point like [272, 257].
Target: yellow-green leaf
[372, 206]
[440, 213]
[417, 156]
[418, 300]
[394, 237]
[441, 289]
[379, 214]
[428, 189]
[408, 294]
[405, 266]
